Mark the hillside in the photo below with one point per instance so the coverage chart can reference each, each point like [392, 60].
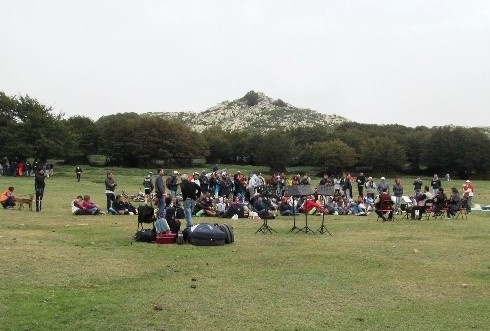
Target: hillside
[254, 111]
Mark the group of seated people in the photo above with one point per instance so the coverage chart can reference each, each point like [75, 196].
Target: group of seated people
[83, 205]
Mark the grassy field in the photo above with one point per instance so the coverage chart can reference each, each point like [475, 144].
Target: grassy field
[66, 272]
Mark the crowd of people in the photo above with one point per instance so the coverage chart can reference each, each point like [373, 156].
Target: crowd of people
[218, 193]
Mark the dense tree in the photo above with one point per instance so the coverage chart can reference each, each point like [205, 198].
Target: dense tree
[274, 149]
[85, 137]
[332, 157]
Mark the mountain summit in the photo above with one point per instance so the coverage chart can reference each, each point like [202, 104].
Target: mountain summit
[254, 111]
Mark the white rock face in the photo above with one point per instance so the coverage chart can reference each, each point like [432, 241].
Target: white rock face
[265, 113]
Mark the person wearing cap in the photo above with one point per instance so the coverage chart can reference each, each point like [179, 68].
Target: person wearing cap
[148, 184]
[172, 184]
[39, 186]
[370, 188]
[468, 191]
[383, 184]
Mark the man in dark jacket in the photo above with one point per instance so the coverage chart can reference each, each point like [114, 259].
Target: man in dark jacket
[39, 186]
[190, 193]
[160, 193]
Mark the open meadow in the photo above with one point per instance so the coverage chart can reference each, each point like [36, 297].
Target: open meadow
[65, 272]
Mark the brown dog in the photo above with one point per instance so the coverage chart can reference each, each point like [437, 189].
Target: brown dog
[22, 201]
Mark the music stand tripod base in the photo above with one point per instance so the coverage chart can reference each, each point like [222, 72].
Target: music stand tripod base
[322, 229]
[265, 227]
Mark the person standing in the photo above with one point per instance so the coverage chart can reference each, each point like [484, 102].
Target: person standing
[361, 180]
[468, 191]
[436, 184]
[173, 184]
[417, 186]
[148, 184]
[39, 186]
[110, 186]
[78, 172]
[160, 194]
[190, 192]
[398, 193]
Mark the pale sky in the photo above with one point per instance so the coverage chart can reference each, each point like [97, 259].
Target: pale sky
[409, 62]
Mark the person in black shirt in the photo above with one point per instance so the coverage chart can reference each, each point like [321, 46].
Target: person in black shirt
[190, 193]
[361, 180]
[78, 172]
[39, 186]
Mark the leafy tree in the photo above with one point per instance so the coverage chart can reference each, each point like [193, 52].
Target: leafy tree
[331, 156]
[274, 149]
[383, 154]
[219, 144]
[85, 137]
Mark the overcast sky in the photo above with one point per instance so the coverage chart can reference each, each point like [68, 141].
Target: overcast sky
[411, 62]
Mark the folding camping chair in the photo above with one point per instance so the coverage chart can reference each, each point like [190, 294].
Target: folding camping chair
[385, 210]
[462, 210]
[146, 214]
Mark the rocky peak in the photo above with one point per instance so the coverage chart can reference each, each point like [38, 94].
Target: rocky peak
[254, 111]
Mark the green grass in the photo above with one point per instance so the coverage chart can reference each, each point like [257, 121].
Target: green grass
[65, 272]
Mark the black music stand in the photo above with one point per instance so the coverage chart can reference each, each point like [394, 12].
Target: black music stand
[292, 191]
[265, 227]
[325, 190]
[304, 190]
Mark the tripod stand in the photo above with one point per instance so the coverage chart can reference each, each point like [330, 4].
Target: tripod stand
[306, 228]
[265, 227]
[325, 190]
[294, 218]
[322, 229]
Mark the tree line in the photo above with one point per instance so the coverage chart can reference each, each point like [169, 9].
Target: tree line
[29, 129]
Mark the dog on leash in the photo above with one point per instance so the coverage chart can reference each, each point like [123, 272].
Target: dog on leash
[26, 201]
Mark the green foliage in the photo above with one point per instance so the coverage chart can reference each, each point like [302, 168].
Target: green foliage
[251, 98]
[30, 129]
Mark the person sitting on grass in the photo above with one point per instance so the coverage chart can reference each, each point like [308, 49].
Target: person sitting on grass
[77, 207]
[90, 206]
[312, 207]
[204, 205]
[121, 207]
[285, 208]
[7, 198]
[262, 209]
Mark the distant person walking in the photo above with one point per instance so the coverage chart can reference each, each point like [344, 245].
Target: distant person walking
[39, 186]
[78, 172]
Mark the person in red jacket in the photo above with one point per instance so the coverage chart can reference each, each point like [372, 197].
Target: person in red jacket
[311, 206]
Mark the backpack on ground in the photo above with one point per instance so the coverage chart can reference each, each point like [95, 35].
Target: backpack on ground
[146, 235]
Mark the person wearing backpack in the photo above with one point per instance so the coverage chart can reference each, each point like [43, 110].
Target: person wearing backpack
[172, 184]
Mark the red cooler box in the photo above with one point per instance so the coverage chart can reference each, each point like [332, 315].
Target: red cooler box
[166, 238]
